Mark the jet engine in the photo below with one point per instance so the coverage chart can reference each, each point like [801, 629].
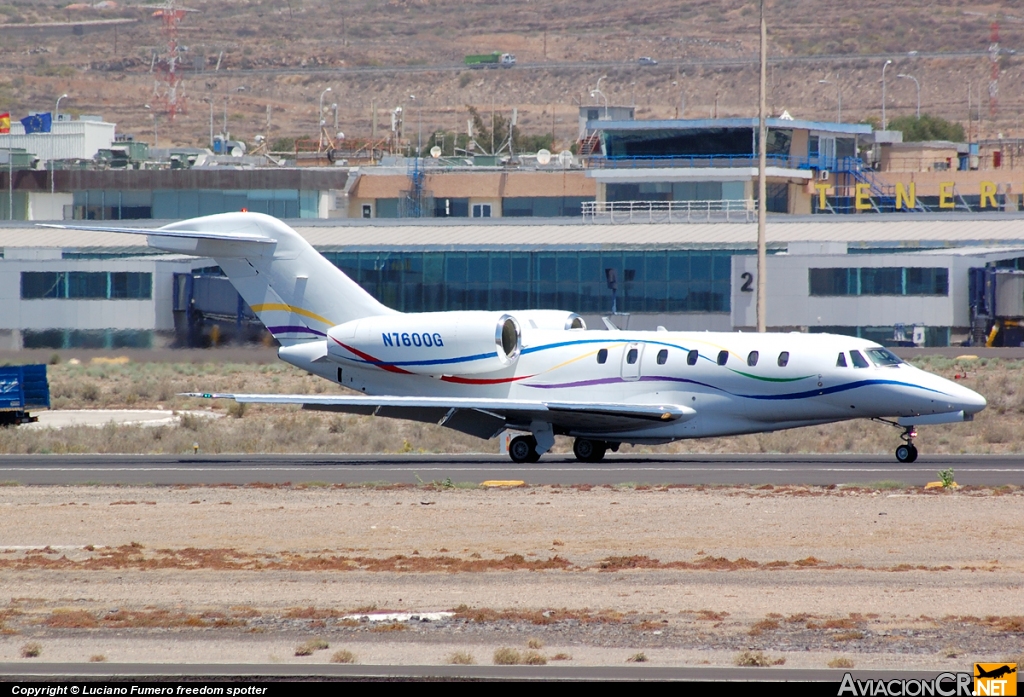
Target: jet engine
[549, 319]
[429, 343]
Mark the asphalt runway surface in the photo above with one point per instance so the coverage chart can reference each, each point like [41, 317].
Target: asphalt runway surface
[815, 470]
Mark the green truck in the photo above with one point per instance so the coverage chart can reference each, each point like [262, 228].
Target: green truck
[490, 60]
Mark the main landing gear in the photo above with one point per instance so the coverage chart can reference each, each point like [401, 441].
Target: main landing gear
[523, 449]
[587, 450]
[906, 453]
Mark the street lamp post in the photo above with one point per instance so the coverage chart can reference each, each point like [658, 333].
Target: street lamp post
[594, 93]
[839, 98]
[227, 97]
[320, 116]
[887, 64]
[419, 124]
[597, 90]
[56, 109]
[918, 85]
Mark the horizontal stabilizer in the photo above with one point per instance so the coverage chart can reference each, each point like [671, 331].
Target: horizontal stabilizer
[483, 417]
[164, 232]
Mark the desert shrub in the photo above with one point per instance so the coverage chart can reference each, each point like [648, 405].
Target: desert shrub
[507, 657]
[343, 656]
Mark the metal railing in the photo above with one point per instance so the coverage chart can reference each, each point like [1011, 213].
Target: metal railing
[723, 211]
[690, 161]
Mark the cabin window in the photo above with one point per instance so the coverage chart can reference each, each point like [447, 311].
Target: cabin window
[784, 359]
[691, 357]
[602, 356]
[858, 360]
[884, 357]
[841, 361]
[752, 358]
[631, 356]
[662, 356]
[723, 357]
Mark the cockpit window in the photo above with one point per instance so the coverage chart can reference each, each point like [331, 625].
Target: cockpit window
[858, 360]
[841, 361]
[884, 358]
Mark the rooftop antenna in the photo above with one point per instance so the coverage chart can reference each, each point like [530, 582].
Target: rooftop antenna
[171, 91]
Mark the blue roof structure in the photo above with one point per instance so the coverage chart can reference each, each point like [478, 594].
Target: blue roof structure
[852, 129]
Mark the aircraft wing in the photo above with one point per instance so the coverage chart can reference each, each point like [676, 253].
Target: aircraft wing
[484, 418]
[166, 232]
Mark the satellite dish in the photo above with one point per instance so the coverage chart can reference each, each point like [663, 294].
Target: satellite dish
[543, 156]
[435, 152]
[565, 158]
[340, 136]
[237, 152]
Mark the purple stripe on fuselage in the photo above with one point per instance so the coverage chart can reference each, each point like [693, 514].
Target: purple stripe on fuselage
[294, 329]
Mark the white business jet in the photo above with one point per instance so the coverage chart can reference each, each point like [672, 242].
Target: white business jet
[538, 372]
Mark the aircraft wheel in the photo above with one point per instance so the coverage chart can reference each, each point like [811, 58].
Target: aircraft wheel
[906, 453]
[587, 450]
[523, 449]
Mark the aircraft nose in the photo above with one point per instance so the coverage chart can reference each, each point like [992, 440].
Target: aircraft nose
[971, 401]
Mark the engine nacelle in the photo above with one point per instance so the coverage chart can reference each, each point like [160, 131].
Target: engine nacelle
[429, 343]
[549, 319]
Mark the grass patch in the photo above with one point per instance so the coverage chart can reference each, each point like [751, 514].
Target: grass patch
[757, 659]
[763, 626]
[506, 656]
[391, 627]
[343, 656]
[31, 650]
[534, 643]
[562, 657]
[310, 647]
[880, 485]
[97, 658]
[840, 662]
[638, 658]
[461, 658]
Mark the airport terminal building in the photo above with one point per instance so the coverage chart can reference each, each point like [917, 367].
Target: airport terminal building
[864, 276]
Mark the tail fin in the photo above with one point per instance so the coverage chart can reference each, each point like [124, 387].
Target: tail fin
[294, 291]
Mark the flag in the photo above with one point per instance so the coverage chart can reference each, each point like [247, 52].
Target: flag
[37, 123]
[5, 122]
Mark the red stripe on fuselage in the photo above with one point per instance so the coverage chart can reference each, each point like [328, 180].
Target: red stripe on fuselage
[371, 359]
[446, 378]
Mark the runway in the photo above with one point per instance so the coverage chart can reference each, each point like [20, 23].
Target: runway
[815, 470]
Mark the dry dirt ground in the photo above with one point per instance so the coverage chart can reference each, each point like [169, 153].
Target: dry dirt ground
[684, 576]
[284, 54]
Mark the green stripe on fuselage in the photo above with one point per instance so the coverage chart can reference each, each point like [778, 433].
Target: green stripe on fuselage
[761, 377]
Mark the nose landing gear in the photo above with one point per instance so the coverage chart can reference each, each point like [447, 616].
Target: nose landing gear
[905, 453]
